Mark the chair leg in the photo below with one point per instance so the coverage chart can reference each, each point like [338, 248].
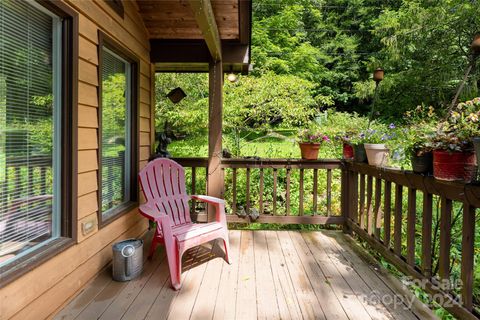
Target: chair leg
[226, 245]
[153, 246]
[173, 261]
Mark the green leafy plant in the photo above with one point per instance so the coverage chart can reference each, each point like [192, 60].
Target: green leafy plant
[417, 139]
[462, 124]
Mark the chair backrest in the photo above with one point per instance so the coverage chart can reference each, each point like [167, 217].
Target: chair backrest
[163, 184]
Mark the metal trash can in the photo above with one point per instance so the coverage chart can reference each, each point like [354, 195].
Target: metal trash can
[127, 259]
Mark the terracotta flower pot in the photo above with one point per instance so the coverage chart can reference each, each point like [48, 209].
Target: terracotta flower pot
[453, 165]
[422, 164]
[309, 151]
[377, 154]
[347, 151]
[359, 154]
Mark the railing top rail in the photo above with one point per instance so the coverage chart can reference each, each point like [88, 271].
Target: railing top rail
[453, 190]
[277, 163]
[192, 162]
[282, 163]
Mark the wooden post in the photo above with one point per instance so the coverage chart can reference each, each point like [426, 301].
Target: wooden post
[215, 180]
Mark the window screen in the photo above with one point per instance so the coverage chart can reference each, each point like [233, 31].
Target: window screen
[116, 136]
[29, 127]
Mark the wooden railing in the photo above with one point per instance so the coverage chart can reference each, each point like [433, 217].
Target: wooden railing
[383, 208]
[284, 191]
[423, 226]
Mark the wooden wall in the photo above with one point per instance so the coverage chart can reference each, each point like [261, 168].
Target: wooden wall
[41, 292]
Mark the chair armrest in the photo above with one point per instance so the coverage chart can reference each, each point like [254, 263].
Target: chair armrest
[150, 212]
[219, 205]
[208, 199]
[164, 224]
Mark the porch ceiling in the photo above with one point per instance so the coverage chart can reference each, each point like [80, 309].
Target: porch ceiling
[174, 19]
[186, 35]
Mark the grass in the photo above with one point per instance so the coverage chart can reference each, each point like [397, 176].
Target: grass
[274, 144]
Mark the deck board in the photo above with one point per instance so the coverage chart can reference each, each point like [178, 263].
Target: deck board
[267, 305]
[274, 275]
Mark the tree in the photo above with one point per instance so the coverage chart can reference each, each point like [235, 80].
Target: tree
[425, 51]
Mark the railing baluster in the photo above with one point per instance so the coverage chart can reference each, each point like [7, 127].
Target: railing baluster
[378, 208]
[287, 193]
[301, 191]
[30, 183]
[206, 182]
[43, 179]
[369, 205]
[329, 192]
[362, 201]
[315, 191]
[260, 201]
[354, 197]
[411, 220]
[194, 182]
[17, 182]
[468, 243]
[445, 238]
[397, 245]
[234, 191]
[387, 208]
[427, 234]
[275, 178]
[247, 194]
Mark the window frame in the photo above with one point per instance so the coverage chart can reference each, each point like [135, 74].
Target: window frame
[104, 41]
[68, 153]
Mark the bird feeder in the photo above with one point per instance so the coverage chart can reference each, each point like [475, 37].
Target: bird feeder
[378, 75]
[176, 95]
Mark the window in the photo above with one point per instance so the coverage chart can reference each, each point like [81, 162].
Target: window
[118, 142]
[35, 137]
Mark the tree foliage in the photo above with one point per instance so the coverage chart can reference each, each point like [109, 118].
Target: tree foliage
[425, 51]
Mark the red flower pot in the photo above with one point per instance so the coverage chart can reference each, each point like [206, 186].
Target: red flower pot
[309, 150]
[347, 151]
[451, 166]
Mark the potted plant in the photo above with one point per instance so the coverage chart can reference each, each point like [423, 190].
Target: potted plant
[309, 141]
[357, 141]
[347, 145]
[375, 146]
[453, 156]
[419, 147]
[470, 118]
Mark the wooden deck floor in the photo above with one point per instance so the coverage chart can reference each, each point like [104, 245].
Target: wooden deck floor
[274, 275]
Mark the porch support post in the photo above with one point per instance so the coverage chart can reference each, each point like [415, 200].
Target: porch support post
[215, 180]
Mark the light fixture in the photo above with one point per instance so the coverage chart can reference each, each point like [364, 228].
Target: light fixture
[232, 77]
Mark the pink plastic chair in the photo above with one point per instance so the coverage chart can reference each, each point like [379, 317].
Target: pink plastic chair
[163, 184]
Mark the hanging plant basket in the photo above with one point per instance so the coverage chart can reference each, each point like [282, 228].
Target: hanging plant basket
[453, 165]
[309, 151]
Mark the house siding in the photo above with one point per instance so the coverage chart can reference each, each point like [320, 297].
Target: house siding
[41, 292]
